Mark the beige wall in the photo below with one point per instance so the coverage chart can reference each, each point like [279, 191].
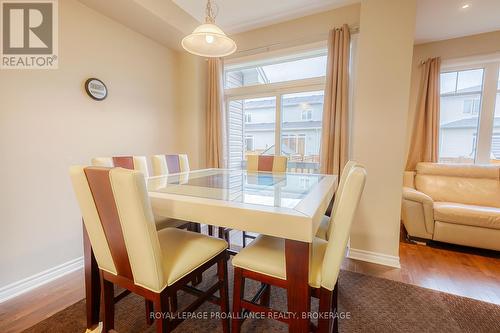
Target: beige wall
[448, 49]
[379, 121]
[47, 123]
[190, 107]
[303, 30]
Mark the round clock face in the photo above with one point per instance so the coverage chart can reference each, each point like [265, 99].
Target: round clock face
[96, 89]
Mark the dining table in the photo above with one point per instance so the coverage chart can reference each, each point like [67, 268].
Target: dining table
[286, 205]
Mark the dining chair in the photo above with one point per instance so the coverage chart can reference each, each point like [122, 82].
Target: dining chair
[264, 260]
[267, 163]
[132, 254]
[173, 163]
[139, 163]
[167, 164]
[325, 225]
[128, 162]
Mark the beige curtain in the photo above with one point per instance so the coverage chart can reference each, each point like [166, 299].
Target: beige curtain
[334, 135]
[215, 115]
[425, 136]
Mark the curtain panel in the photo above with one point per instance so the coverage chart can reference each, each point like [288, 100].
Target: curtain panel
[424, 142]
[215, 143]
[334, 134]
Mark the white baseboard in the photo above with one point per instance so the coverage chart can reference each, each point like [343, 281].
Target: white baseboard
[31, 282]
[374, 257]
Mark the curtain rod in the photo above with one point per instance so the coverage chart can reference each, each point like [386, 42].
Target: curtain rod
[293, 42]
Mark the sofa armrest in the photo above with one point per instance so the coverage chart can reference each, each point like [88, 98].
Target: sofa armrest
[417, 196]
[409, 179]
[417, 213]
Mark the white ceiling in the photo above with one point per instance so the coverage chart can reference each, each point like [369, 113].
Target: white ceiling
[444, 19]
[436, 19]
[240, 15]
[167, 21]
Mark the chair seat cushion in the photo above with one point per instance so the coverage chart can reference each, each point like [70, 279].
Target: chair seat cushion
[184, 251]
[266, 255]
[478, 216]
[323, 228]
[165, 222]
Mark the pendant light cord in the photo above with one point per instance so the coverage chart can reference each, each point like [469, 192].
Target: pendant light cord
[211, 11]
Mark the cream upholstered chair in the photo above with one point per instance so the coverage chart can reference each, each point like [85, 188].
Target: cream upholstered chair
[325, 225]
[264, 259]
[128, 162]
[268, 163]
[263, 163]
[165, 164]
[131, 253]
[139, 163]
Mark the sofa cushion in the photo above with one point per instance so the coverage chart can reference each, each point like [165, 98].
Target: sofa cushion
[466, 184]
[479, 216]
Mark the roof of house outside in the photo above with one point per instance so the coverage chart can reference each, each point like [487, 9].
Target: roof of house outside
[286, 125]
[469, 123]
[312, 99]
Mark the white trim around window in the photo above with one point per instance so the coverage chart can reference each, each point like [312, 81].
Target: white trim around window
[491, 67]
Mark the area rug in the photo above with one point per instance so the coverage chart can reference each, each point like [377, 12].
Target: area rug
[367, 304]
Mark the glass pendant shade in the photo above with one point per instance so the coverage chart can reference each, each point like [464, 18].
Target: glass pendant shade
[208, 40]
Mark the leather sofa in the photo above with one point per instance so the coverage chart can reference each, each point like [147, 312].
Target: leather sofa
[453, 203]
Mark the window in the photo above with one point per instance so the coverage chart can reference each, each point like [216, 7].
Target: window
[306, 113]
[302, 115]
[470, 114]
[458, 122]
[495, 138]
[471, 106]
[287, 121]
[287, 68]
[249, 143]
[250, 137]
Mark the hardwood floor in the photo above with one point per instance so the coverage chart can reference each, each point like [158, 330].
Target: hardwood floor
[444, 269]
[25, 310]
[449, 269]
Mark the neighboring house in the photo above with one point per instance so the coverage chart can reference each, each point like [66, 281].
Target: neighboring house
[252, 122]
[300, 130]
[459, 117]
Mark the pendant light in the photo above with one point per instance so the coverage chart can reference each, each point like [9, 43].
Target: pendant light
[208, 40]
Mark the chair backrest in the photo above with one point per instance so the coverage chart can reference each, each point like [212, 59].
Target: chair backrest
[166, 164]
[347, 168]
[268, 163]
[119, 221]
[138, 163]
[339, 233]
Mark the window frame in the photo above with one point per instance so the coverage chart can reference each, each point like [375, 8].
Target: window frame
[491, 67]
[251, 138]
[278, 89]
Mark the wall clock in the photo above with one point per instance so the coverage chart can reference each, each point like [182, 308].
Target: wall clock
[96, 89]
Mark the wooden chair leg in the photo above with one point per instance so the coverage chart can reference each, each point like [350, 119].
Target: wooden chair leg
[325, 307]
[238, 292]
[161, 304]
[336, 308]
[149, 312]
[108, 298]
[266, 296]
[224, 298]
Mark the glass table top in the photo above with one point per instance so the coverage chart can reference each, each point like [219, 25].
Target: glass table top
[260, 188]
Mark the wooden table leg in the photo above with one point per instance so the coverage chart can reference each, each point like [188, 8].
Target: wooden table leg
[92, 283]
[297, 275]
